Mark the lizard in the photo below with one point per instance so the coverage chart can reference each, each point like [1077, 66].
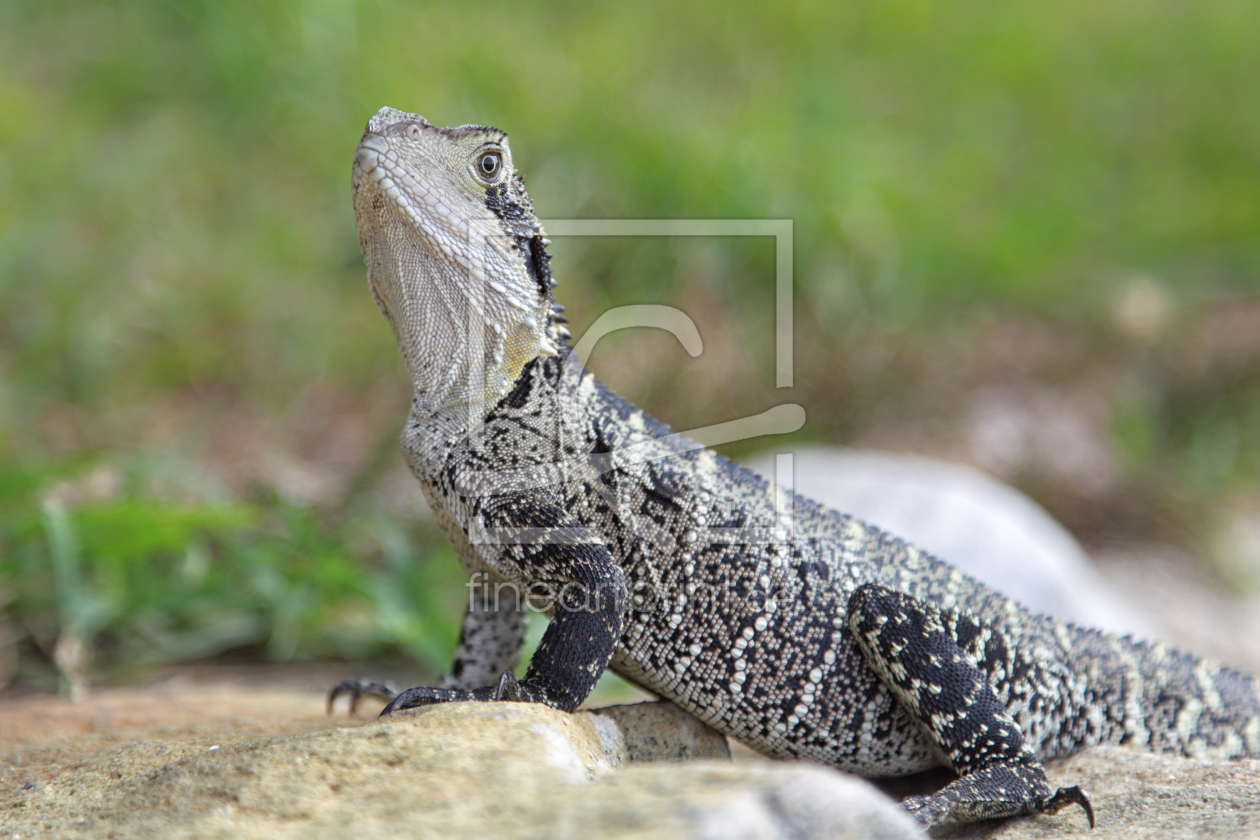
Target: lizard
[799, 631]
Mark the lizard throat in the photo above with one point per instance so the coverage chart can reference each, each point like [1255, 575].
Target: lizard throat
[464, 311]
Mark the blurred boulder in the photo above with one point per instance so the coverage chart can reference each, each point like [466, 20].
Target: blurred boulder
[962, 515]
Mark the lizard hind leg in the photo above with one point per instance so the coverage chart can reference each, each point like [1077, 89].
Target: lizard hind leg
[909, 644]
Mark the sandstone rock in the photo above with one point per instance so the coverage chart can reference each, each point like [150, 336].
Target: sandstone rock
[1138, 796]
[721, 801]
[661, 731]
[191, 761]
[458, 770]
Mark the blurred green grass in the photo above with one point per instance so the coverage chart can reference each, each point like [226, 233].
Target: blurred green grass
[178, 261]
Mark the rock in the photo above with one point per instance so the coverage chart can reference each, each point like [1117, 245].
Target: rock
[1138, 796]
[756, 801]
[661, 731]
[147, 763]
[988, 529]
[467, 769]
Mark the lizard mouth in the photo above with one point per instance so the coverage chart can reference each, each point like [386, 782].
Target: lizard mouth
[372, 149]
[376, 164]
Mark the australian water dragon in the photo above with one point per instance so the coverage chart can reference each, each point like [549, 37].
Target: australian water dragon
[798, 630]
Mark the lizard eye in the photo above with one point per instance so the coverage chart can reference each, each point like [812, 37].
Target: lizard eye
[488, 165]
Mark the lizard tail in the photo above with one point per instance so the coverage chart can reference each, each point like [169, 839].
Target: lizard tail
[1166, 700]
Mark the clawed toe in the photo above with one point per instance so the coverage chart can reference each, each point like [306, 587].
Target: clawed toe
[934, 809]
[357, 689]
[507, 689]
[422, 696]
[1066, 797]
[926, 810]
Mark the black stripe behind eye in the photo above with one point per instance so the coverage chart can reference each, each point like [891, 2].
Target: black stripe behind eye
[519, 222]
[537, 262]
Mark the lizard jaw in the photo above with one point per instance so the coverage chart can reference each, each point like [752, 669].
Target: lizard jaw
[455, 285]
[377, 168]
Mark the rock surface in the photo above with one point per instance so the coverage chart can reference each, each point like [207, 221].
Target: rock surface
[224, 761]
[459, 770]
[663, 732]
[1138, 796]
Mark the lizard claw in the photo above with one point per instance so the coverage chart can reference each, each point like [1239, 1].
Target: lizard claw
[1065, 797]
[509, 689]
[422, 696]
[357, 689]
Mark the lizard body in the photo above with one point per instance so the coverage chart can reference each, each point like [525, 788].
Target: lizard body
[798, 630]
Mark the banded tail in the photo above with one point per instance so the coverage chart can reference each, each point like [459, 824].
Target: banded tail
[1152, 697]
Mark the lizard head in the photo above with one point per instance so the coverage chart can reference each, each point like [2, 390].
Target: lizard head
[456, 258]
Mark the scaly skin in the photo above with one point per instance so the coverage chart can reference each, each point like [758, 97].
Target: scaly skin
[797, 630]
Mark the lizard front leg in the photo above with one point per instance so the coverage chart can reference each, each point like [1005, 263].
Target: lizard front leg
[914, 648]
[491, 637]
[569, 566]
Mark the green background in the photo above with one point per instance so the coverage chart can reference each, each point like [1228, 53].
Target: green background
[199, 402]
